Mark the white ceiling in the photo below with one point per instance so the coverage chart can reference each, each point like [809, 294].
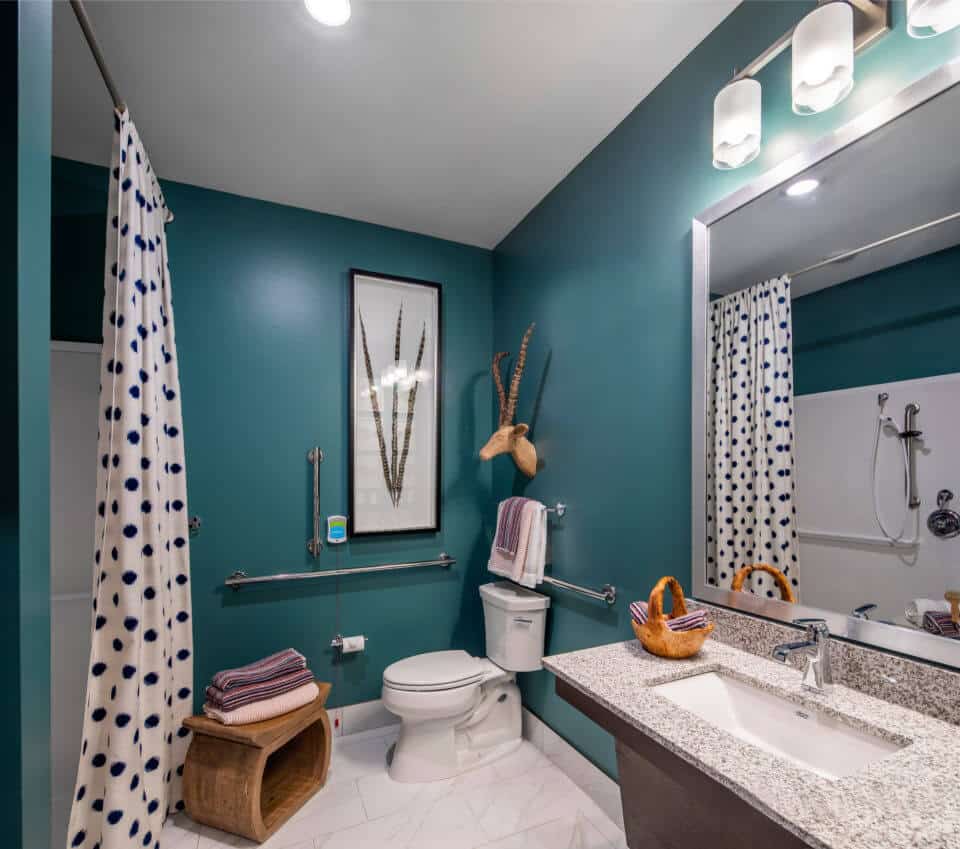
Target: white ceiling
[900, 176]
[447, 117]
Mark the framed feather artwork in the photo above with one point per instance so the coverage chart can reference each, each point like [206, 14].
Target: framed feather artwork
[395, 395]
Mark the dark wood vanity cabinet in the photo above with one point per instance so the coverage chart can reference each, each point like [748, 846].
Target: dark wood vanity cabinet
[669, 804]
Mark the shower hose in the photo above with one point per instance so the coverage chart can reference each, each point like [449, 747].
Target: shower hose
[898, 537]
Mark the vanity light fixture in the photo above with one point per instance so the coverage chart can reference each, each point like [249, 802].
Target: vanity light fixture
[802, 187]
[927, 18]
[824, 43]
[736, 124]
[332, 13]
[823, 58]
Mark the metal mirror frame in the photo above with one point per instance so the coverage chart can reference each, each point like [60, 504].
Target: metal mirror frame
[894, 638]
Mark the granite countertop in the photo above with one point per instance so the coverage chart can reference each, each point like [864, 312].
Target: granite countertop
[910, 798]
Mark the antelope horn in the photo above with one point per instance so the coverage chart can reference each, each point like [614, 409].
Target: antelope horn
[517, 374]
[495, 368]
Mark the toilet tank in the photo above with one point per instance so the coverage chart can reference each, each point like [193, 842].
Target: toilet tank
[515, 620]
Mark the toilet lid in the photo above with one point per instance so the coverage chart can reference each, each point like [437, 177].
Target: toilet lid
[436, 670]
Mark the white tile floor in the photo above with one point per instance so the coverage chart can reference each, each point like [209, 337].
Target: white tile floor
[523, 801]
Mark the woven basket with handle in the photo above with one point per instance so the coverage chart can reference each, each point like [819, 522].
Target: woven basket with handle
[656, 636]
[786, 591]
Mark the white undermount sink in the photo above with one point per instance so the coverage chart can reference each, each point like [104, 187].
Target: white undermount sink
[822, 744]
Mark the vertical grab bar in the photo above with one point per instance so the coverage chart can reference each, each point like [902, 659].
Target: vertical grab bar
[315, 458]
[910, 435]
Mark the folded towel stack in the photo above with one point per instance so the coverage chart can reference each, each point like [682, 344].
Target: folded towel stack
[941, 624]
[688, 622]
[261, 690]
[919, 607]
[519, 549]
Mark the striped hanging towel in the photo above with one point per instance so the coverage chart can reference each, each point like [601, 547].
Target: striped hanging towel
[508, 528]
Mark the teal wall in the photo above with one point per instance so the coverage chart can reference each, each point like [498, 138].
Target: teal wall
[603, 265]
[896, 324]
[25, 31]
[261, 310]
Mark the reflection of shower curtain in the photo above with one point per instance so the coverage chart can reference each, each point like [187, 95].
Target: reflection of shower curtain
[141, 665]
[751, 517]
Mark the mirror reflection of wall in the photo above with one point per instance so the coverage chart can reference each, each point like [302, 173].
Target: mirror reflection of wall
[833, 377]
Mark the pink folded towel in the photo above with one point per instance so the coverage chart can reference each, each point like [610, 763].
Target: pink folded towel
[267, 709]
[687, 622]
[264, 669]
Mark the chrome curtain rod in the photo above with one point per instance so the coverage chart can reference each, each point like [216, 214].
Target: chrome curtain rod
[88, 33]
[241, 579]
[879, 243]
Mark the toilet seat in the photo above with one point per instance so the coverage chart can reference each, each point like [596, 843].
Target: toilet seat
[434, 671]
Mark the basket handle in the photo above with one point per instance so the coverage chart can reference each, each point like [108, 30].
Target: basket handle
[655, 605]
[786, 591]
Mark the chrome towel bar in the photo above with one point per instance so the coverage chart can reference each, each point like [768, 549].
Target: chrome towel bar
[241, 579]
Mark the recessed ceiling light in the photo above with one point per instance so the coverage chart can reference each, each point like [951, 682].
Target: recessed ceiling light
[802, 187]
[332, 13]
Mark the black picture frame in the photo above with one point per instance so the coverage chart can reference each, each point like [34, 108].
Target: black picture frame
[361, 528]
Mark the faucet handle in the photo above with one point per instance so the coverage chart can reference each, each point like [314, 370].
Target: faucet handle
[815, 627]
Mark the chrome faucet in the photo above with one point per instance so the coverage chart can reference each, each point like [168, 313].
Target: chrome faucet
[817, 674]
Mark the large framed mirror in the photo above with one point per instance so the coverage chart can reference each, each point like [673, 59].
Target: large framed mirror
[826, 382]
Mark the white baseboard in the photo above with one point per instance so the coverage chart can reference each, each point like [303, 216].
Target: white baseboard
[361, 717]
[602, 789]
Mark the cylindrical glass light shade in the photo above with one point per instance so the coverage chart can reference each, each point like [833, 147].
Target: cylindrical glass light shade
[736, 124]
[823, 58]
[927, 18]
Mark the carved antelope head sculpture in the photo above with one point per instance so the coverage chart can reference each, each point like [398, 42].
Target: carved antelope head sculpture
[509, 437]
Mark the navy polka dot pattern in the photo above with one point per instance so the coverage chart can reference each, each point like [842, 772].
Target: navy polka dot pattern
[141, 665]
[751, 509]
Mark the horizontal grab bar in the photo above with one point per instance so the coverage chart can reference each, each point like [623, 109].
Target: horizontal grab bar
[241, 579]
[855, 539]
[607, 593]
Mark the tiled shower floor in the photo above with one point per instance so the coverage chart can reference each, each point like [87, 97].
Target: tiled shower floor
[523, 801]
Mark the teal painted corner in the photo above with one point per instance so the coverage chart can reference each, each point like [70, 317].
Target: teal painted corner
[603, 264]
[261, 313]
[900, 323]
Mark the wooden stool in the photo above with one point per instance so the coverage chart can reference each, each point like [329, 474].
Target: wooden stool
[250, 779]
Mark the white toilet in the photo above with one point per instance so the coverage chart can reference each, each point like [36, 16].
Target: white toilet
[459, 712]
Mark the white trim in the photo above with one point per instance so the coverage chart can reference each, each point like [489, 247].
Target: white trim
[62, 347]
[874, 387]
[366, 718]
[58, 597]
[599, 787]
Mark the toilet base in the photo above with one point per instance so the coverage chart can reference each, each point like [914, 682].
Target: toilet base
[436, 749]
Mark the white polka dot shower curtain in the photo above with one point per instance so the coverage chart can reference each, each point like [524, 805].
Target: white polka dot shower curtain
[139, 686]
[751, 517]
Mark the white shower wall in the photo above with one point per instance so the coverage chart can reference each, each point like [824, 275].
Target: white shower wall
[835, 434]
[74, 398]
